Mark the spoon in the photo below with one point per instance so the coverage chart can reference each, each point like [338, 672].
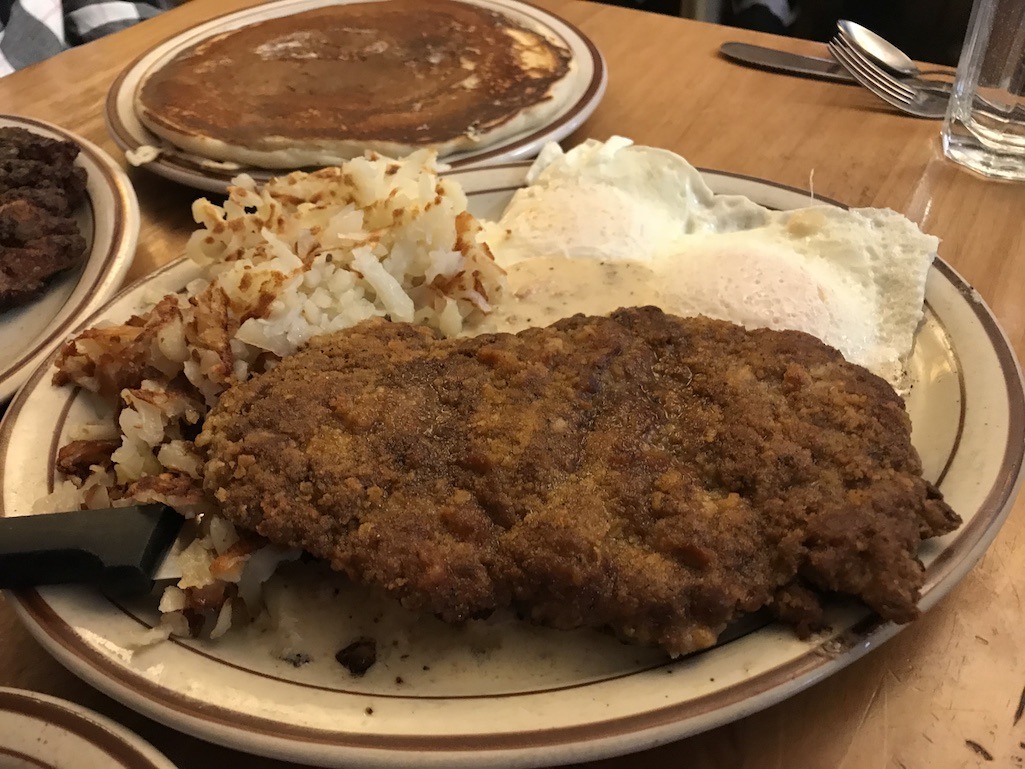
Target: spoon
[883, 52]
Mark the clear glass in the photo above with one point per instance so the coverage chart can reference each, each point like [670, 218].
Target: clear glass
[985, 124]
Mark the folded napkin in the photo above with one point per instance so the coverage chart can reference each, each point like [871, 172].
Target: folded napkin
[33, 30]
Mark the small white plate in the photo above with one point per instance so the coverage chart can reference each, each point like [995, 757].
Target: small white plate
[589, 79]
[40, 732]
[500, 693]
[109, 222]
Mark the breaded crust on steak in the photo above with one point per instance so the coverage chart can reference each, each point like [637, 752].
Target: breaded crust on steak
[652, 475]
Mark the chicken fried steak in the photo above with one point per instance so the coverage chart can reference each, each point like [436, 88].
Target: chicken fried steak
[651, 475]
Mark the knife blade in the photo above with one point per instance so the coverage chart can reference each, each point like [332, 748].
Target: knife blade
[783, 61]
[122, 549]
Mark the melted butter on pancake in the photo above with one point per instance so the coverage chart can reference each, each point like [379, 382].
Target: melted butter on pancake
[326, 84]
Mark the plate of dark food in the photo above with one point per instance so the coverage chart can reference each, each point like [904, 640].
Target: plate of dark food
[474, 80]
[68, 225]
[521, 465]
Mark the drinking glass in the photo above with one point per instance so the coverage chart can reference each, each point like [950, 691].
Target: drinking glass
[985, 124]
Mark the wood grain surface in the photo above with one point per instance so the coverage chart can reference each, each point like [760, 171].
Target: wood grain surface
[947, 691]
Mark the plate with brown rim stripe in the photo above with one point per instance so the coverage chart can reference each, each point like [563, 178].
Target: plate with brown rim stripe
[40, 732]
[582, 89]
[499, 692]
[109, 222]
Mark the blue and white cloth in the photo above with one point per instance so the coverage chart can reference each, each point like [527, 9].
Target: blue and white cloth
[33, 30]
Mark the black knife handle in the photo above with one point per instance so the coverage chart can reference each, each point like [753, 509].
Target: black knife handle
[117, 548]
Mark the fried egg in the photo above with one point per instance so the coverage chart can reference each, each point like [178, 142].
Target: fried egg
[609, 224]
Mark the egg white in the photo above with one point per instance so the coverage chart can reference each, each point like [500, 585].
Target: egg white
[607, 225]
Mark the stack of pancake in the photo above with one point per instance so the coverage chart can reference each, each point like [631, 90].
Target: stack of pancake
[323, 86]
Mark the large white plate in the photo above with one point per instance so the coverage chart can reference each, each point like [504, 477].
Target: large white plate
[41, 731]
[589, 79]
[499, 693]
[109, 222]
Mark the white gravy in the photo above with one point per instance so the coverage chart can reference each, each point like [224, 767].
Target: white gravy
[546, 289]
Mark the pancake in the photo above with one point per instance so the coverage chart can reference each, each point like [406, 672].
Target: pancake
[320, 87]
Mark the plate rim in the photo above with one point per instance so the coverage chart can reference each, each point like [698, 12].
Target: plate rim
[180, 167]
[117, 741]
[595, 738]
[113, 264]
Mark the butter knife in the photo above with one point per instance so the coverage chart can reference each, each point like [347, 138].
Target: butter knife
[783, 61]
[123, 549]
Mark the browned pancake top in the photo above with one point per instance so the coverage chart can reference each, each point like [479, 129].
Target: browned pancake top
[408, 71]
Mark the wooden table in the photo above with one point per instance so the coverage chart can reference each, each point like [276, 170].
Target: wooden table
[946, 691]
